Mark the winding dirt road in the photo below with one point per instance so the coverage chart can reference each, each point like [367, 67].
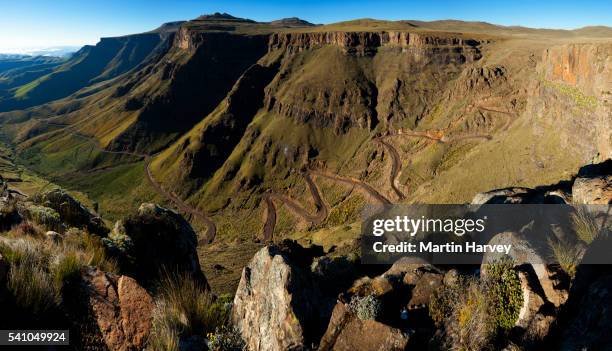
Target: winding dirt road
[396, 166]
[322, 210]
[211, 229]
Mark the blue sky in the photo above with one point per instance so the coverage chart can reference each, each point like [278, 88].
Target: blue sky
[36, 23]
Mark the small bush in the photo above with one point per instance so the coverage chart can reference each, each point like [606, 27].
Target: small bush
[366, 308]
[504, 293]
[45, 216]
[226, 338]
[472, 312]
[184, 308]
[584, 225]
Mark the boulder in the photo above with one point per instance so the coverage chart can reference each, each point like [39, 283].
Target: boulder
[71, 211]
[154, 240]
[53, 236]
[275, 304]
[424, 288]
[532, 301]
[120, 308]
[592, 191]
[591, 328]
[514, 195]
[346, 332]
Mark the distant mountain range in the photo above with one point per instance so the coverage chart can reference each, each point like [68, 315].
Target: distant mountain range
[55, 51]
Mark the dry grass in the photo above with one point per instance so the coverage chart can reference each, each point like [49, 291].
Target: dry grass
[184, 308]
[565, 254]
[584, 226]
[40, 268]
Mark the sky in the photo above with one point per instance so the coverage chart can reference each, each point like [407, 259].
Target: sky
[46, 23]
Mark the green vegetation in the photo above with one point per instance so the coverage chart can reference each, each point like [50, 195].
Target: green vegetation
[505, 294]
[365, 307]
[584, 226]
[473, 312]
[578, 97]
[40, 268]
[567, 255]
[185, 308]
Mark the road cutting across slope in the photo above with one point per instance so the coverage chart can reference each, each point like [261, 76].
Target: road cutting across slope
[211, 229]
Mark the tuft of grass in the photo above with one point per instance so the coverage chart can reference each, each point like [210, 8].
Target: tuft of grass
[184, 308]
[32, 288]
[40, 269]
[568, 256]
[584, 226]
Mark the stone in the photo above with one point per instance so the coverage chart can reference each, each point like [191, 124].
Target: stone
[424, 288]
[71, 211]
[346, 332]
[532, 301]
[275, 304]
[591, 327]
[592, 191]
[153, 240]
[121, 309]
[53, 236]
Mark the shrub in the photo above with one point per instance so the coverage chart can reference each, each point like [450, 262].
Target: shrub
[226, 338]
[184, 308]
[472, 312]
[584, 225]
[41, 268]
[45, 216]
[505, 293]
[366, 308]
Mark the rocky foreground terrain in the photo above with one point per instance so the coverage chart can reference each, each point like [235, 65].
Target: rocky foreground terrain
[201, 185]
[139, 285]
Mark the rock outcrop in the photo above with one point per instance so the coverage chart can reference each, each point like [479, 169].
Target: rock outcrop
[275, 303]
[71, 211]
[591, 328]
[153, 241]
[346, 332]
[593, 191]
[120, 308]
[366, 43]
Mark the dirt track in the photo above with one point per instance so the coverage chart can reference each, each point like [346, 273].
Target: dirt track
[211, 229]
[396, 166]
[322, 209]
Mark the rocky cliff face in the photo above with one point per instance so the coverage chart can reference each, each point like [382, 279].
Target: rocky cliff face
[366, 43]
[575, 89]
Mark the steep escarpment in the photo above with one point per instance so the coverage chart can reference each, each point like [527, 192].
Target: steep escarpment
[364, 43]
[326, 96]
[194, 77]
[575, 86]
[92, 64]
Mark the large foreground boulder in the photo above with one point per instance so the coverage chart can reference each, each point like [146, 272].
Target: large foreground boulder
[275, 306]
[119, 309]
[156, 241]
[346, 332]
[591, 329]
